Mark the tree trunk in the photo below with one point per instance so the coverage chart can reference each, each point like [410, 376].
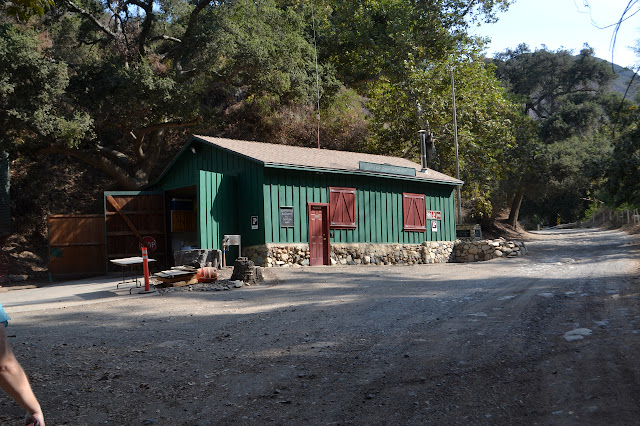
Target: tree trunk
[515, 209]
[112, 163]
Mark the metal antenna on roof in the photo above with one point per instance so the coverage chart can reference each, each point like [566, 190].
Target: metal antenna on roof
[315, 47]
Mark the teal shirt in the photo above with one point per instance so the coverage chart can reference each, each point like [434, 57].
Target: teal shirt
[4, 318]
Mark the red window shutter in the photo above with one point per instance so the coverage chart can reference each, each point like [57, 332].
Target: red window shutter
[343, 207]
[414, 212]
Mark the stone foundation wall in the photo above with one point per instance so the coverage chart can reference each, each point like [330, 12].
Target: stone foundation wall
[474, 251]
[296, 255]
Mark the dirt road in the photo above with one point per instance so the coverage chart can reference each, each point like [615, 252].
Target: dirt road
[549, 338]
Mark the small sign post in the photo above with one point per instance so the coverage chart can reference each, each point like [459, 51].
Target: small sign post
[150, 243]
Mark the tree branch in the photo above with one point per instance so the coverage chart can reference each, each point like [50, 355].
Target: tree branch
[175, 51]
[139, 137]
[140, 134]
[75, 8]
[98, 159]
[194, 15]
[147, 22]
[165, 37]
[114, 156]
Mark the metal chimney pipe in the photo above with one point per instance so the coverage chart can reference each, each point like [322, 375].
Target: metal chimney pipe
[423, 149]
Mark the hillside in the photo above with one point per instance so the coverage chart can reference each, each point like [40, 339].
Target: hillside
[621, 83]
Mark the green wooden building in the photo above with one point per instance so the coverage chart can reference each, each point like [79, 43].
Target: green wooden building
[303, 203]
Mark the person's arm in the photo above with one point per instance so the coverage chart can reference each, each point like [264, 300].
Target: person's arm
[15, 383]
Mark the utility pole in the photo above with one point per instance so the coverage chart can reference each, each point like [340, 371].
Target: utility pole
[455, 139]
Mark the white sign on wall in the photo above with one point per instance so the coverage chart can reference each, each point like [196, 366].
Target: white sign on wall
[434, 226]
[436, 215]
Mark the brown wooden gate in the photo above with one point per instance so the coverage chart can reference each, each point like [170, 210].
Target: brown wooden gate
[132, 219]
[76, 245]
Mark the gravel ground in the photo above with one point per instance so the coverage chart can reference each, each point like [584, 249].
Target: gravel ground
[549, 338]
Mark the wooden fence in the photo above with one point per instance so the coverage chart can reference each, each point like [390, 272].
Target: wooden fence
[76, 245]
[619, 217]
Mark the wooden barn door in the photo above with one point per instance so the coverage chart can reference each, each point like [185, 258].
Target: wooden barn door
[318, 234]
[135, 218]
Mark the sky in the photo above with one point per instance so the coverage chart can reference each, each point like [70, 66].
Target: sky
[565, 24]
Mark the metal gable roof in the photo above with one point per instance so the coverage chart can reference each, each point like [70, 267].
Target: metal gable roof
[295, 157]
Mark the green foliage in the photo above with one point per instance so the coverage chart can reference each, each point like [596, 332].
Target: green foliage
[560, 156]
[480, 207]
[577, 115]
[484, 117]
[33, 107]
[117, 80]
[593, 208]
[25, 9]
[257, 46]
[570, 173]
[545, 78]
[623, 169]
[367, 39]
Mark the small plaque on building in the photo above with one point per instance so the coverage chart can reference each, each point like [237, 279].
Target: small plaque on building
[434, 215]
[468, 232]
[286, 217]
[254, 222]
[434, 226]
[463, 233]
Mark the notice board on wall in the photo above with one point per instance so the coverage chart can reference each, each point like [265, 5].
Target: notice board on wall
[286, 216]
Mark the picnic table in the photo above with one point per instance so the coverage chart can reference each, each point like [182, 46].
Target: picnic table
[129, 267]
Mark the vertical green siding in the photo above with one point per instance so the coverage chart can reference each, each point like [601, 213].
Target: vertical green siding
[275, 215]
[216, 212]
[239, 193]
[379, 214]
[304, 226]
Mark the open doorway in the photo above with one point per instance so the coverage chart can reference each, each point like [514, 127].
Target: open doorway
[182, 207]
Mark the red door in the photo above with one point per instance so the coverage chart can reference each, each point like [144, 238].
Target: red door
[318, 234]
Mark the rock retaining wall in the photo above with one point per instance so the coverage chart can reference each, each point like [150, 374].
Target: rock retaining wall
[295, 255]
[474, 251]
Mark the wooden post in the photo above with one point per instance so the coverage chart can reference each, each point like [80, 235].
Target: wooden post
[145, 268]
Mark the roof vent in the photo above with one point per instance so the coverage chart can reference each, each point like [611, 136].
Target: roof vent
[427, 148]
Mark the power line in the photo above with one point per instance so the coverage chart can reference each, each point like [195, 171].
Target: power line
[315, 47]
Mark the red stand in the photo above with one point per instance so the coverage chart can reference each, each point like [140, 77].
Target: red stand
[145, 268]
